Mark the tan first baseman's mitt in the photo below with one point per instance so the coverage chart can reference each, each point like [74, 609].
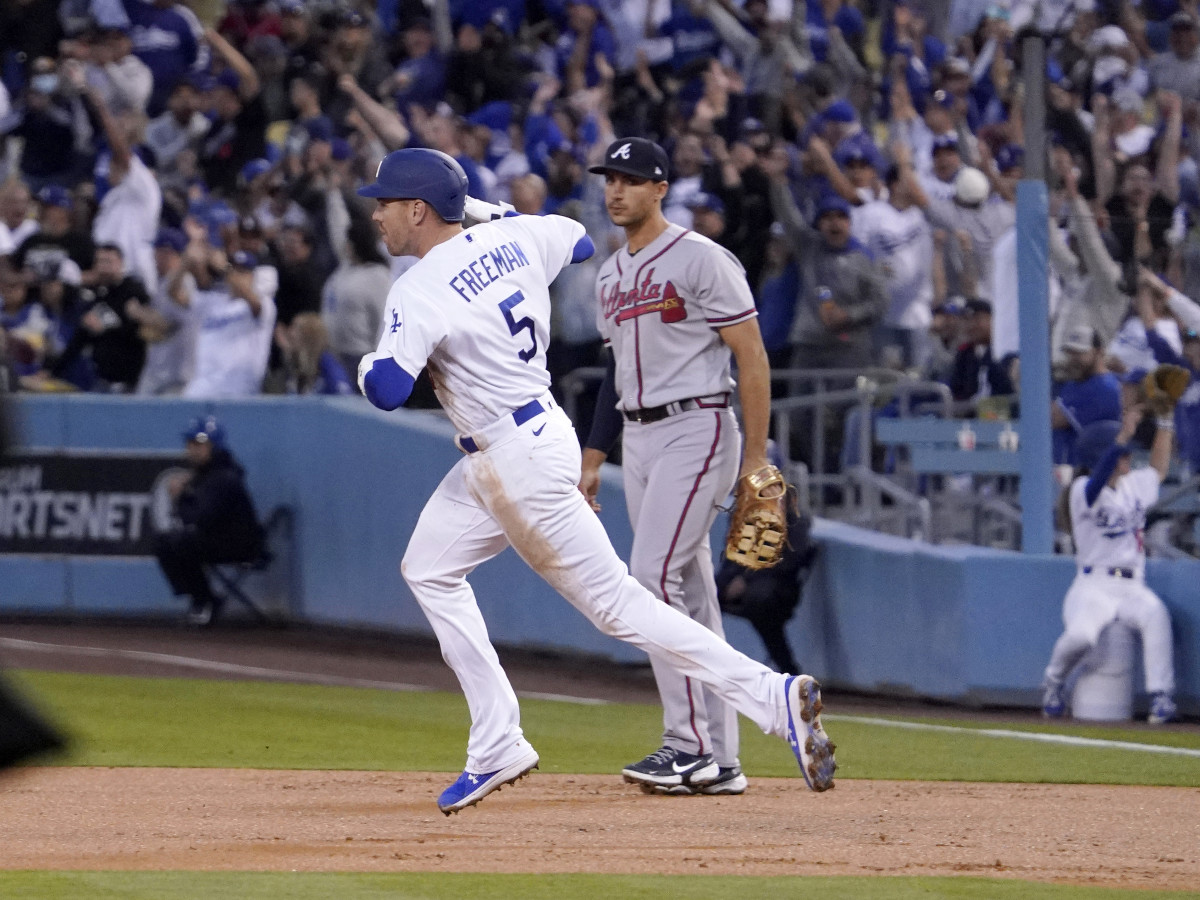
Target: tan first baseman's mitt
[1164, 386]
[758, 523]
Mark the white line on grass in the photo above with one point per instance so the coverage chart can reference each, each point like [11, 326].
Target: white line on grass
[1043, 737]
[210, 665]
[339, 681]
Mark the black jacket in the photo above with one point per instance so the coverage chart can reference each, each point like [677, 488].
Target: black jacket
[118, 351]
[216, 505]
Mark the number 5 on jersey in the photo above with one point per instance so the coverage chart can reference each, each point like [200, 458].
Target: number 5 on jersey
[516, 326]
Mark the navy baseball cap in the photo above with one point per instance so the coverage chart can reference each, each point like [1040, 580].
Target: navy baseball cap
[254, 168]
[243, 259]
[634, 156]
[705, 200]
[831, 203]
[55, 195]
[1009, 157]
[339, 149]
[839, 111]
[171, 237]
[945, 142]
[205, 430]
[751, 125]
[319, 129]
[942, 98]
[496, 115]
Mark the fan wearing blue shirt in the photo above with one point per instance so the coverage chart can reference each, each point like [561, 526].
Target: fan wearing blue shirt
[1090, 394]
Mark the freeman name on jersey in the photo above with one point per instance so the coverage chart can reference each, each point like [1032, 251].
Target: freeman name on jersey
[487, 268]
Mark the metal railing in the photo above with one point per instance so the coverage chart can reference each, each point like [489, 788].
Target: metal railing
[821, 401]
[900, 503]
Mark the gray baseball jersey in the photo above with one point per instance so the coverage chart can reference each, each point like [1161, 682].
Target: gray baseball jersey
[659, 310]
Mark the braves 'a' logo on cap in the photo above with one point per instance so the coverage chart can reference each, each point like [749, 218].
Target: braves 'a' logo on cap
[622, 151]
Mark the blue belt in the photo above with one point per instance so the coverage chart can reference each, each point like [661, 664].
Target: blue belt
[1115, 571]
[520, 416]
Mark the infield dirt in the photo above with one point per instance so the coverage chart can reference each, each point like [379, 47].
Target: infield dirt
[239, 819]
[245, 819]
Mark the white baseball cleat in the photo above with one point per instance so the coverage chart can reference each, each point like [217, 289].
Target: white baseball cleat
[810, 743]
[471, 787]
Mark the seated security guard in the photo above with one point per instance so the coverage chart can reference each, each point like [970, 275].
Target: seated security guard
[219, 524]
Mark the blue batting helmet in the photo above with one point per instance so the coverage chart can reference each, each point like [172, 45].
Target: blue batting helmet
[420, 174]
[205, 430]
[1094, 440]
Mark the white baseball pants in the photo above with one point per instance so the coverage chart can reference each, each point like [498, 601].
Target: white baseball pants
[1094, 600]
[521, 488]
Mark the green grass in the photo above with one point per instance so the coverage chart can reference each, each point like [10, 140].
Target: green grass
[126, 721]
[425, 886]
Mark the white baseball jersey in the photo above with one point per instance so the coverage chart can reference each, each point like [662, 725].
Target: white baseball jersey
[902, 241]
[11, 238]
[1109, 532]
[660, 308]
[232, 344]
[1131, 347]
[128, 217]
[169, 362]
[486, 348]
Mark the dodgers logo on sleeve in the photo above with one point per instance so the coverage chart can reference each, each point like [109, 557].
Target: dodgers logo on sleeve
[395, 322]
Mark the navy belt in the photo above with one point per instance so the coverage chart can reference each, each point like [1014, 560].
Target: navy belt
[1115, 571]
[658, 413]
[520, 416]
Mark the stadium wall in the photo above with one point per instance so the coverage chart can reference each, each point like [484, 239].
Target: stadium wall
[879, 613]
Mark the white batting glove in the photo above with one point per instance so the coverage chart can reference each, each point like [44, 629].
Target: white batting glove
[482, 211]
[364, 366]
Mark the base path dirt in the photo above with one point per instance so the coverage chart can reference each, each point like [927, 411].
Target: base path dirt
[242, 819]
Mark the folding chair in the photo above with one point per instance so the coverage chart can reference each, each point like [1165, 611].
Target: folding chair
[230, 576]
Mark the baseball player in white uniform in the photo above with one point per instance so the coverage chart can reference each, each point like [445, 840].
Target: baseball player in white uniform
[475, 311]
[671, 306]
[1108, 504]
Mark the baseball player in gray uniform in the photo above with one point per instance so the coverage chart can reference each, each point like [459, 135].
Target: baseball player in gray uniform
[674, 307]
[475, 310]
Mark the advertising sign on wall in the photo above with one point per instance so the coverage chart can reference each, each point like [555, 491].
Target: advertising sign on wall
[66, 503]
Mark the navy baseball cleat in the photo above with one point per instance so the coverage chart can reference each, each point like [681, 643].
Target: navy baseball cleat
[471, 787]
[810, 743]
[670, 771]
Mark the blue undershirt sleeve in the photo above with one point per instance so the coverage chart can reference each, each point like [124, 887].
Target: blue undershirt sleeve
[1103, 471]
[387, 385]
[606, 421]
[584, 248]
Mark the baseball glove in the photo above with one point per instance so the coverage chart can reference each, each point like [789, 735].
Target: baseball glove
[758, 523]
[1164, 386]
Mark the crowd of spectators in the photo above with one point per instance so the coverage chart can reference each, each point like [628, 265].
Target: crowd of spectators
[177, 212]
